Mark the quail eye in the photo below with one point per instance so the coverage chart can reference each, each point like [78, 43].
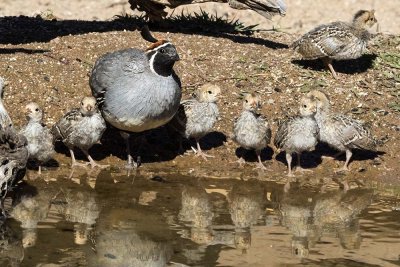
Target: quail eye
[162, 50]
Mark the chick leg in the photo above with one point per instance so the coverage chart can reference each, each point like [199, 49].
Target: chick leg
[298, 167]
[92, 162]
[289, 162]
[328, 64]
[259, 165]
[346, 164]
[74, 163]
[200, 152]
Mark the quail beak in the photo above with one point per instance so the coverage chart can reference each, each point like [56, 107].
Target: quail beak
[177, 58]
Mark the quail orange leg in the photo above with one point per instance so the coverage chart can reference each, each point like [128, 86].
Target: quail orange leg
[328, 63]
[200, 152]
[92, 162]
[74, 163]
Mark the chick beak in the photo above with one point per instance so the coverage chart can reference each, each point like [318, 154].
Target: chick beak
[89, 107]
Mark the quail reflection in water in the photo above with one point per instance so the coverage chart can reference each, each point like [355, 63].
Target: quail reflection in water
[11, 249]
[310, 216]
[124, 237]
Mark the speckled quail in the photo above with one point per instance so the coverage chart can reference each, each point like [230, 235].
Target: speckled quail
[298, 133]
[81, 127]
[337, 40]
[40, 139]
[251, 130]
[339, 131]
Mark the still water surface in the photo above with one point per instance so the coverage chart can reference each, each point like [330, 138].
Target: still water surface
[109, 219]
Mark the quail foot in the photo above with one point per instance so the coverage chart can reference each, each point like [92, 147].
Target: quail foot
[82, 128]
[337, 40]
[298, 133]
[339, 131]
[137, 90]
[251, 130]
[196, 117]
[40, 140]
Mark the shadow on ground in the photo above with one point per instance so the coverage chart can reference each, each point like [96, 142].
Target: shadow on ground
[350, 66]
[23, 29]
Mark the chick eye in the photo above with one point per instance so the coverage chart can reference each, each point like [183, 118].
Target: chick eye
[246, 101]
[162, 50]
[36, 109]
[209, 92]
[304, 106]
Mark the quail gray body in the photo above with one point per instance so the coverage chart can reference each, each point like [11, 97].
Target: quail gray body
[13, 152]
[337, 40]
[40, 139]
[339, 131]
[298, 133]
[137, 90]
[155, 8]
[251, 130]
[196, 117]
[82, 128]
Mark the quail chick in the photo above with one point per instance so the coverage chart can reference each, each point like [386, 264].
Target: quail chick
[339, 131]
[137, 90]
[299, 133]
[196, 117]
[81, 127]
[337, 40]
[40, 139]
[13, 152]
[155, 8]
[251, 130]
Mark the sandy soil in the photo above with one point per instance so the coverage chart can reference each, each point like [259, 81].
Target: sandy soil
[48, 61]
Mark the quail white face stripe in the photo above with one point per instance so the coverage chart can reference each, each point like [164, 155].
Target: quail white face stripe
[158, 47]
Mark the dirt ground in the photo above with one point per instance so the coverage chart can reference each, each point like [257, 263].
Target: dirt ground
[47, 59]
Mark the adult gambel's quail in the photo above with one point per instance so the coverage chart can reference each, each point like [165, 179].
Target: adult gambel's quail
[137, 90]
[337, 40]
[251, 130]
[339, 131]
[40, 139]
[196, 117]
[155, 8]
[81, 127]
[298, 133]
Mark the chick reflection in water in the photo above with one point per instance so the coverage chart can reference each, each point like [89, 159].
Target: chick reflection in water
[79, 207]
[310, 215]
[11, 249]
[246, 206]
[125, 237]
[29, 208]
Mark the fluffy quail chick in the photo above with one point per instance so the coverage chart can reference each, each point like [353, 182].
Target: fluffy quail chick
[337, 40]
[81, 127]
[196, 117]
[299, 133]
[339, 131]
[40, 139]
[251, 130]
